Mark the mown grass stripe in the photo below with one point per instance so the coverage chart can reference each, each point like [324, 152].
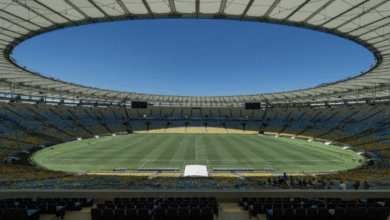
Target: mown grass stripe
[170, 149]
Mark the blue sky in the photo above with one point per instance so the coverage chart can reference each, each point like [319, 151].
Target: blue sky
[193, 57]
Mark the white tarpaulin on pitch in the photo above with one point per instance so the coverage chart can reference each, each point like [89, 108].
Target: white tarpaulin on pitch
[195, 171]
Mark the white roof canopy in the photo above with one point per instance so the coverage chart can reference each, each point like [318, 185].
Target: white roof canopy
[363, 21]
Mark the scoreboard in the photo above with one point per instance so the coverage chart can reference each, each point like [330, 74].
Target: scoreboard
[139, 105]
[252, 105]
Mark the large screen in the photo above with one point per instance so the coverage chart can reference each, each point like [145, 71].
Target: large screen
[253, 105]
[139, 105]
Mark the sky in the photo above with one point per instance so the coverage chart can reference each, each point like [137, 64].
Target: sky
[193, 57]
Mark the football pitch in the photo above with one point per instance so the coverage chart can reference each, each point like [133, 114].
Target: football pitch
[178, 150]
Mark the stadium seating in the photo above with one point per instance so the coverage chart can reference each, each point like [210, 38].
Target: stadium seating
[24, 126]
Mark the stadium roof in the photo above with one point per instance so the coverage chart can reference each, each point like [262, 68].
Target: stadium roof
[363, 21]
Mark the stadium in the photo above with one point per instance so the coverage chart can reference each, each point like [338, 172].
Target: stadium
[70, 151]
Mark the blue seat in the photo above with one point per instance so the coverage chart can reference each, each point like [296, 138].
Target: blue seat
[96, 214]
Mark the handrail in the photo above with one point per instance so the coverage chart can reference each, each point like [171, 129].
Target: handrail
[155, 200]
[21, 196]
[308, 198]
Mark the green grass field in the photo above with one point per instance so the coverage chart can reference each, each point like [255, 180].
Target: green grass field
[178, 150]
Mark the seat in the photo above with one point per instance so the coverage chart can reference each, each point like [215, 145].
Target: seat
[207, 214]
[120, 214]
[108, 214]
[187, 206]
[21, 206]
[214, 206]
[372, 213]
[86, 202]
[383, 213]
[331, 205]
[43, 208]
[130, 206]
[361, 213]
[195, 213]
[172, 213]
[267, 206]
[192, 205]
[287, 206]
[74, 206]
[275, 214]
[120, 206]
[323, 213]
[195, 199]
[57, 210]
[203, 198]
[10, 214]
[306, 205]
[110, 206]
[179, 198]
[212, 199]
[160, 214]
[277, 205]
[32, 206]
[184, 214]
[202, 205]
[350, 213]
[24, 214]
[100, 206]
[321, 205]
[118, 199]
[132, 213]
[140, 206]
[288, 214]
[164, 205]
[299, 213]
[74, 199]
[187, 198]
[337, 213]
[144, 214]
[171, 199]
[96, 214]
[297, 205]
[173, 206]
[311, 213]
[256, 209]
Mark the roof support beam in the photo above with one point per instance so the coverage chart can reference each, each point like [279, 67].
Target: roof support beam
[297, 9]
[16, 24]
[384, 25]
[77, 9]
[368, 24]
[379, 36]
[55, 12]
[345, 12]
[35, 12]
[361, 14]
[20, 18]
[222, 7]
[148, 8]
[273, 6]
[101, 10]
[247, 8]
[172, 6]
[3, 28]
[318, 11]
[123, 6]
[197, 6]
